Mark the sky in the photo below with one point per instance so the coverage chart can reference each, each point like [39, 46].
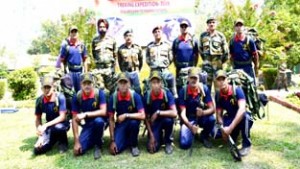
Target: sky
[21, 19]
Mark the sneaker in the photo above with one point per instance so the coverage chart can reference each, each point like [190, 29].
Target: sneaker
[169, 148]
[97, 153]
[135, 151]
[206, 143]
[244, 151]
[62, 148]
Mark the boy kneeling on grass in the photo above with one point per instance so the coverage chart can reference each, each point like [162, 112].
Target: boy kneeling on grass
[55, 129]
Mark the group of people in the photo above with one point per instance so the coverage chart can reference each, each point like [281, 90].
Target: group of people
[123, 108]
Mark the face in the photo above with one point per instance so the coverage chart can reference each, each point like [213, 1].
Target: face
[86, 86]
[47, 90]
[222, 83]
[123, 86]
[128, 38]
[155, 85]
[239, 28]
[102, 28]
[157, 34]
[193, 81]
[74, 34]
[183, 28]
[212, 24]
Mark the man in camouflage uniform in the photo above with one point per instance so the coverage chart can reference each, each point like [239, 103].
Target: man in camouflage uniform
[186, 53]
[159, 57]
[130, 60]
[104, 53]
[281, 77]
[213, 49]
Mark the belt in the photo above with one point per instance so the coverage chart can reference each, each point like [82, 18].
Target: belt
[185, 64]
[242, 62]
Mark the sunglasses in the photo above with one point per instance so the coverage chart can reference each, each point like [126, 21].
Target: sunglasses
[183, 26]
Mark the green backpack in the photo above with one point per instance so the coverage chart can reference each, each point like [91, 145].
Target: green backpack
[39, 102]
[115, 98]
[96, 97]
[238, 78]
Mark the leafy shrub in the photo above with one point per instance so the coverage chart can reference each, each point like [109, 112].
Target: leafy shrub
[2, 88]
[269, 77]
[22, 82]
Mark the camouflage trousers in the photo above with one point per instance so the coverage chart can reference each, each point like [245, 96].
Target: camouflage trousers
[211, 67]
[282, 81]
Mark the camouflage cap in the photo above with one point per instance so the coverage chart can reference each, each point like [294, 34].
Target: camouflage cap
[123, 76]
[241, 21]
[184, 22]
[194, 72]
[221, 73]
[86, 77]
[127, 31]
[47, 81]
[155, 75]
[73, 28]
[211, 19]
[156, 27]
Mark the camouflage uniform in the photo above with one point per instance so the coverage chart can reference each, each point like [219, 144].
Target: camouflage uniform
[281, 77]
[104, 53]
[159, 57]
[130, 60]
[214, 52]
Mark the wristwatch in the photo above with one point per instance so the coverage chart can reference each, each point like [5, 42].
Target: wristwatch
[158, 112]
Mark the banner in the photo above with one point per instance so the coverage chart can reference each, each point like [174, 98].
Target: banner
[143, 15]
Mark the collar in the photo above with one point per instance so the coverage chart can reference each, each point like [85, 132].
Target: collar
[158, 43]
[130, 46]
[239, 37]
[49, 99]
[90, 96]
[185, 38]
[193, 92]
[229, 92]
[73, 42]
[160, 96]
[126, 98]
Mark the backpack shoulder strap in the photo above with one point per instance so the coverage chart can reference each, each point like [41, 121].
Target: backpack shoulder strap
[115, 100]
[148, 93]
[79, 97]
[96, 91]
[184, 92]
[132, 98]
[39, 102]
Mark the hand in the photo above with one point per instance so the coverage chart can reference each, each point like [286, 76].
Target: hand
[41, 129]
[194, 129]
[77, 148]
[199, 112]
[80, 117]
[39, 142]
[113, 148]
[121, 118]
[154, 117]
[152, 145]
[226, 131]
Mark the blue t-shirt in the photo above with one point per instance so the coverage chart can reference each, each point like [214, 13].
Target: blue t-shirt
[193, 99]
[184, 52]
[228, 102]
[158, 102]
[74, 55]
[50, 107]
[124, 104]
[241, 52]
[88, 103]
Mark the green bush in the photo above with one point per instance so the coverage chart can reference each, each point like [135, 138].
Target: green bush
[22, 82]
[269, 77]
[2, 88]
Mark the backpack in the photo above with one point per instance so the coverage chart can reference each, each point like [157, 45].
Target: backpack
[149, 101]
[96, 97]
[115, 98]
[39, 102]
[238, 78]
[185, 94]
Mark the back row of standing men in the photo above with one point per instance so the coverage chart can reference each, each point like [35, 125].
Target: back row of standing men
[194, 102]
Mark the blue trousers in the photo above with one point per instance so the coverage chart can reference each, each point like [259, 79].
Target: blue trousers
[126, 134]
[186, 136]
[162, 124]
[135, 81]
[92, 133]
[76, 80]
[243, 127]
[58, 133]
[248, 69]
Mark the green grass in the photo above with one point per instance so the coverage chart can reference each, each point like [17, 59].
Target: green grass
[276, 144]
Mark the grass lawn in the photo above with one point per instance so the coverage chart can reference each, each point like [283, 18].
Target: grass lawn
[276, 144]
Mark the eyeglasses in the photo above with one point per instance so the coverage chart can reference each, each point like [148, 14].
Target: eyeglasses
[183, 26]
